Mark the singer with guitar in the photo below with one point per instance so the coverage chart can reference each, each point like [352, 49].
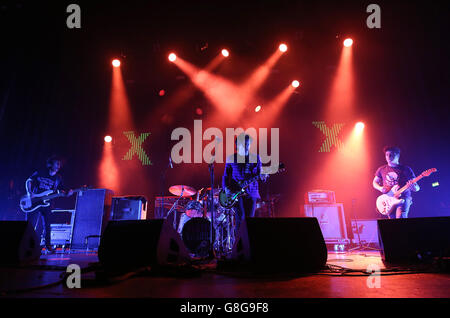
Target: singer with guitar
[391, 177]
[239, 167]
[42, 181]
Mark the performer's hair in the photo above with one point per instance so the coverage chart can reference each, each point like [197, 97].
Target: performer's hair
[392, 149]
[248, 138]
[51, 160]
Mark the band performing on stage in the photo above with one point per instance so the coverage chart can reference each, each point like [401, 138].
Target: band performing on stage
[193, 211]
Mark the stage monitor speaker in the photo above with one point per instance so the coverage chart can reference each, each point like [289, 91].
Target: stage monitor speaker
[131, 244]
[92, 211]
[19, 243]
[294, 245]
[414, 240]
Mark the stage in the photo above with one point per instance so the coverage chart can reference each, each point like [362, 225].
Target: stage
[204, 281]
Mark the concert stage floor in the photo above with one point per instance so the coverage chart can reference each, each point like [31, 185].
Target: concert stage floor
[208, 283]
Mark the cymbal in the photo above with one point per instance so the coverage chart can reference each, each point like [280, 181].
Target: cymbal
[187, 190]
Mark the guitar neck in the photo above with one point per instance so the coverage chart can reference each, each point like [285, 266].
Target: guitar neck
[405, 187]
[250, 181]
[57, 195]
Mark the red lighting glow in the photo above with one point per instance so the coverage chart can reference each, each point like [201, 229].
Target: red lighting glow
[359, 127]
[348, 42]
[225, 52]
[295, 84]
[115, 63]
[172, 57]
[162, 92]
[283, 47]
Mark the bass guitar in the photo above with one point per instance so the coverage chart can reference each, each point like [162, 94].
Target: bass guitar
[388, 201]
[229, 200]
[28, 203]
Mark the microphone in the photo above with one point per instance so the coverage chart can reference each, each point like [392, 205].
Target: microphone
[170, 162]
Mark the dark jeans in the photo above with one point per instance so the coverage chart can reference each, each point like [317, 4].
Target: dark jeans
[40, 222]
[245, 207]
[402, 210]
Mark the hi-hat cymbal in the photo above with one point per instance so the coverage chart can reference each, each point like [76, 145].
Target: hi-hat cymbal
[186, 190]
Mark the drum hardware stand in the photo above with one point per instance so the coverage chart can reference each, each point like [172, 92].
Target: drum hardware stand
[360, 246]
[172, 209]
[163, 188]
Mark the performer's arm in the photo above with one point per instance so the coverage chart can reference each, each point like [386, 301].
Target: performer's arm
[29, 182]
[376, 184]
[226, 177]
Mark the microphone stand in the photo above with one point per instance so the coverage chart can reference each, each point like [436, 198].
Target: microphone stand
[359, 246]
[163, 188]
[211, 205]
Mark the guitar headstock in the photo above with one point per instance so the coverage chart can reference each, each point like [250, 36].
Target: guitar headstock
[267, 170]
[426, 173]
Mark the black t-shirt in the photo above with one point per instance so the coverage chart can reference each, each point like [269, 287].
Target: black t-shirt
[41, 181]
[396, 175]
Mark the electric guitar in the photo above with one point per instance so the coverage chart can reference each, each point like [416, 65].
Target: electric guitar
[388, 201]
[29, 204]
[229, 200]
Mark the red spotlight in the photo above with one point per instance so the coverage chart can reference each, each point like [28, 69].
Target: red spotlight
[172, 57]
[225, 52]
[108, 138]
[348, 42]
[295, 84]
[257, 108]
[199, 111]
[283, 47]
[162, 92]
[116, 63]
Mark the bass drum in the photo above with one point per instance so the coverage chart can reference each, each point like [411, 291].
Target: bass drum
[196, 235]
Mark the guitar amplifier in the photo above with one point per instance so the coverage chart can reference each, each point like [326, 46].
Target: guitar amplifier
[129, 208]
[331, 221]
[61, 227]
[319, 197]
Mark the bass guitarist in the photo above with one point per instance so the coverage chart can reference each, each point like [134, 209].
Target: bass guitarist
[40, 181]
[393, 174]
[239, 167]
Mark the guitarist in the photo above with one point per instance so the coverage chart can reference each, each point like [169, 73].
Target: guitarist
[391, 174]
[241, 166]
[39, 181]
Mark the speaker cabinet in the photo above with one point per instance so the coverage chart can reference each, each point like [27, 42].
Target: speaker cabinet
[129, 208]
[19, 243]
[331, 221]
[92, 211]
[414, 240]
[280, 245]
[131, 244]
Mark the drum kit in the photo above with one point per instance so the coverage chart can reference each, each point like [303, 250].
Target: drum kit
[194, 225]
